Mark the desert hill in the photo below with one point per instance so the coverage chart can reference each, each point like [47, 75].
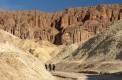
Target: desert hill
[44, 50]
[15, 64]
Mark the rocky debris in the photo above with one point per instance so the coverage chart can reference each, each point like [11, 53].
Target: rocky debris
[60, 27]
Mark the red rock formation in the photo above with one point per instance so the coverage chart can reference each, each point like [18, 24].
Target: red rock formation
[69, 26]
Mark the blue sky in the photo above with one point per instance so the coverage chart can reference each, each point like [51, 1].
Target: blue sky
[50, 5]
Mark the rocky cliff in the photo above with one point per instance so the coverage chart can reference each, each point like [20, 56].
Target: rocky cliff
[69, 26]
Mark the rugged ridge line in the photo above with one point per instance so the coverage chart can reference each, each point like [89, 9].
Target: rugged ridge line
[66, 27]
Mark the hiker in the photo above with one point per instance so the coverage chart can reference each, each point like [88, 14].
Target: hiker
[46, 66]
[53, 67]
[50, 67]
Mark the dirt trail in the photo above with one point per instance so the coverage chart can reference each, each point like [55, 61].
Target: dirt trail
[70, 75]
[73, 76]
[81, 76]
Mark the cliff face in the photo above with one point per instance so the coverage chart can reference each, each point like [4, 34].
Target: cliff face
[69, 26]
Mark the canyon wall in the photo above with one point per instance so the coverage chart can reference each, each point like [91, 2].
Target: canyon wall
[66, 27]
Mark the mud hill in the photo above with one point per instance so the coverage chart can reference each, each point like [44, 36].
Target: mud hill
[65, 27]
[102, 53]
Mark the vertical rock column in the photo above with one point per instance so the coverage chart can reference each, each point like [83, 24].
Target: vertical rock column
[120, 14]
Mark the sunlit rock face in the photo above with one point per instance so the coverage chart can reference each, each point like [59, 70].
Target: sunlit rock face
[79, 24]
